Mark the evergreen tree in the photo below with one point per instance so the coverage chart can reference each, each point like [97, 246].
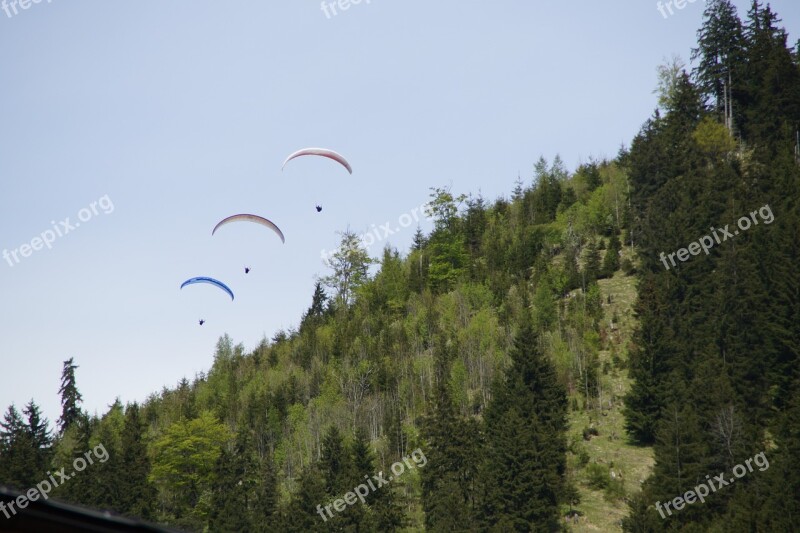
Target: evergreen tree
[419, 240]
[17, 453]
[303, 513]
[450, 491]
[591, 270]
[70, 396]
[230, 489]
[40, 439]
[591, 174]
[265, 516]
[334, 463]
[611, 259]
[778, 482]
[648, 365]
[312, 318]
[771, 96]
[474, 226]
[385, 514]
[567, 199]
[338, 475]
[541, 204]
[81, 489]
[104, 477]
[137, 495]
[526, 432]
[720, 50]
[519, 189]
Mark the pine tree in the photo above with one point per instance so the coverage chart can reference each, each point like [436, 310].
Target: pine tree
[334, 463]
[229, 491]
[591, 174]
[450, 492]
[313, 316]
[303, 514]
[720, 50]
[137, 495]
[17, 455]
[70, 396]
[779, 478]
[652, 344]
[105, 476]
[81, 489]
[611, 259]
[526, 432]
[519, 189]
[40, 439]
[265, 517]
[771, 96]
[385, 513]
[591, 270]
[419, 240]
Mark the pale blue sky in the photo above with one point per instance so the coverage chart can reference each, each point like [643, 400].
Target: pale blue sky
[182, 112]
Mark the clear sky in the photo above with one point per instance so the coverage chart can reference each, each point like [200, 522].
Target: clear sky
[172, 115]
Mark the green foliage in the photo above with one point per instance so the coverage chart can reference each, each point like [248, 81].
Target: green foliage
[443, 208]
[591, 269]
[713, 138]
[137, 494]
[611, 259]
[183, 462]
[334, 463]
[231, 488]
[615, 490]
[597, 476]
[669, 75]
[448, 262]
[452, 445]
[350, 264]
[18, 465]
[628, 267]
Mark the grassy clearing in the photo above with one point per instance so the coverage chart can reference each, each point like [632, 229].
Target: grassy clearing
[610, 448]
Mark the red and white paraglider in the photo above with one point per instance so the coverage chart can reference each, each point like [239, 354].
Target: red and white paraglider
[322, 152]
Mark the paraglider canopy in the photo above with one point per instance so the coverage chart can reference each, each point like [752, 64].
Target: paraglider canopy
[210, 281]
[322, 152]
[250, 218]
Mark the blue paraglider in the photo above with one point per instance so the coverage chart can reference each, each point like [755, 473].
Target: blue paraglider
[210, 281]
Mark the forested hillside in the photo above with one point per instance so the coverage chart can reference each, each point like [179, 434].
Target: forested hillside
[411, 357]
[559, 359]
[716, 355]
